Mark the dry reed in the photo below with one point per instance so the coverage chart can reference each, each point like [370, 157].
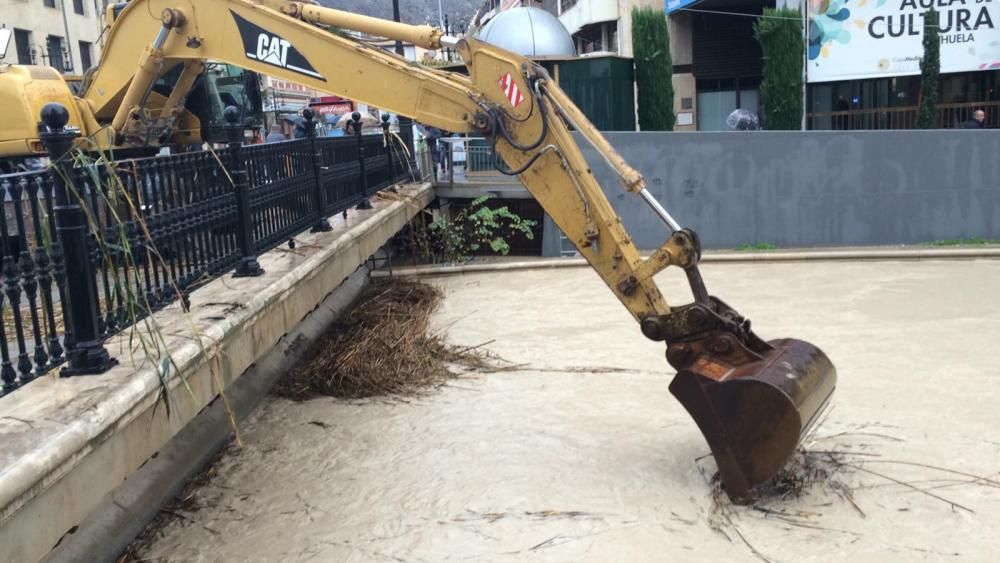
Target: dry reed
[382, 346]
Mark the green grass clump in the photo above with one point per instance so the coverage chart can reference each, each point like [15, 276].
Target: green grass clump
[757, 246]
[968, 241]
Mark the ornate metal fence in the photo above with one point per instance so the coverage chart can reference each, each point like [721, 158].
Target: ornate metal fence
[154, 229]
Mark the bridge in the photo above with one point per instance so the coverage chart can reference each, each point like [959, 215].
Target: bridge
[136, 291]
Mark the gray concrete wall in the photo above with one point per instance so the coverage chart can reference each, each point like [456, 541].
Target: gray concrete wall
[805, 189]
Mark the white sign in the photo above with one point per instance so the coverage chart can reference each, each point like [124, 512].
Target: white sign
[4, 41]
[850, 39]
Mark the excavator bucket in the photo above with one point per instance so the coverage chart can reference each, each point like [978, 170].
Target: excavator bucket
[754, 415]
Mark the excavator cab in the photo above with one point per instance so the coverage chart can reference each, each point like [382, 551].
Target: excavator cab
[219, 86]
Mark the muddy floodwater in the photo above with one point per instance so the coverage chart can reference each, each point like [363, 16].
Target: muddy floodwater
[583, 455]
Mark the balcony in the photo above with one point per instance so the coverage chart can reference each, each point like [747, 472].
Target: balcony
[575, 14]
[950, 116]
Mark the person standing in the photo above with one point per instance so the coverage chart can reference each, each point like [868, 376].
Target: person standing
[432, 134]
[275, 135]
[978, 120]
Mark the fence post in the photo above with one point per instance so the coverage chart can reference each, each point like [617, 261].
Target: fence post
[248, 266]
[406, 133]
[365, 202]
[387, 139]
[87, 356]
[450, 162]
[322, 225]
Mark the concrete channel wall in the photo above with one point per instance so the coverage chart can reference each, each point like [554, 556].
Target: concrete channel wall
[69, 442]
[806, 189]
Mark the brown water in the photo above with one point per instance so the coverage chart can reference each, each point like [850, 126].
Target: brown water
[584, 455]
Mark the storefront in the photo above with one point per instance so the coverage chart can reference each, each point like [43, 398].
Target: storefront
[727, 61]
[891, 103]
[864, 63]
[718, 63]
[329, 110]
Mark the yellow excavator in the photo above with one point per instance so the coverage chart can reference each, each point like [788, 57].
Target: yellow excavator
[753, 400]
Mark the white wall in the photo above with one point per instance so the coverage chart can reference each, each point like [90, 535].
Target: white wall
[42, 21]
[625, 22]
[586, 12]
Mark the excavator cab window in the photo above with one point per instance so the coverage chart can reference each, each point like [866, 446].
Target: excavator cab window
[218, 87]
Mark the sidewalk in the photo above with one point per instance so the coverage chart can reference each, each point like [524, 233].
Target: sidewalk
[512, 263]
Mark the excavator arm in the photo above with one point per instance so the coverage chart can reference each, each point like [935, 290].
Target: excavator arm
[751, 399]
[285, 42]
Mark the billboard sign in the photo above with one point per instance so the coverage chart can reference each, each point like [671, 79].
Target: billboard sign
[333, 108]
[673, 5]
[851, 39]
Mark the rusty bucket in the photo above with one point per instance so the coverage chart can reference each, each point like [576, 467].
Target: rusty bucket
[754, 415]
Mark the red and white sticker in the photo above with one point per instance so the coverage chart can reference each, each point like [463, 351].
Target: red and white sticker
[510, 89]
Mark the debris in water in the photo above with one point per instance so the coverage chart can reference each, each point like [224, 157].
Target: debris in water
[381, 347]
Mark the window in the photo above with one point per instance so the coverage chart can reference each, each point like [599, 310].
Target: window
[565, 5]
[54, 47]
[78, 6]
[85, 54]
[597, 37]
[22, 42]
[717, 98]
[49, 3]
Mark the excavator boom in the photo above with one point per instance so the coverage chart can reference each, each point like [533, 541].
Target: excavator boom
[752, 400]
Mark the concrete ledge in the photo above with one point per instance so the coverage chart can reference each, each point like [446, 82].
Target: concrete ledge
[717, 257]
[124, 513]
[69, 442]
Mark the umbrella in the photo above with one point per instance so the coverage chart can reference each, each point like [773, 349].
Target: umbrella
[366, 121]
[743, 120]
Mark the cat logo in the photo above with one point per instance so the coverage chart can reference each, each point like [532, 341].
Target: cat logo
[272, 50]
[262, 45]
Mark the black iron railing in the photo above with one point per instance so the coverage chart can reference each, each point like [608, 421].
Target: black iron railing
[155, 229]
[33, 278]
[949, 116]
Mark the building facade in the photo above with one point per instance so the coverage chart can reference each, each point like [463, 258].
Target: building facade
[862, 61]
[283, 101]
[718, 63]
[599, 26]
[867, 75]
[604, 27]
[62, 34]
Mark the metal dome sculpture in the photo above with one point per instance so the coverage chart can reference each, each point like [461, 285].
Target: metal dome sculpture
[531, 32]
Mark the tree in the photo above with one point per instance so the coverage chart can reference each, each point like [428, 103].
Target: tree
[653, 69]
[930, 67]
[779, 33]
